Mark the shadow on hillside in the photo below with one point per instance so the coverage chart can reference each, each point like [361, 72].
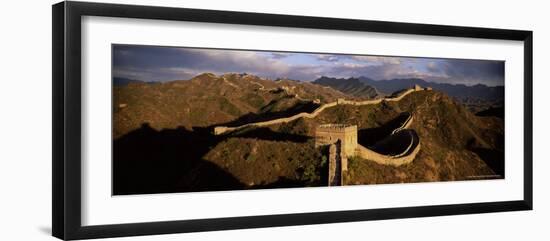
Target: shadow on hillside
[285, 182]
[148, 161]
[493, 158]
[492, 111]
[267, 114]
[265, 133]
[369, 137]
[282, 182]
[397, 143]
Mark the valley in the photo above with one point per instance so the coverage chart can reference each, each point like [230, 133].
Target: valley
[165, 136]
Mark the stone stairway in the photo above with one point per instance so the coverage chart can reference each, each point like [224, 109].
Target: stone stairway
[335, 164]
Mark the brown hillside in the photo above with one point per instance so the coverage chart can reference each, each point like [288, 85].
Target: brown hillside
[456, 144]
[208, 99]
[163, 140]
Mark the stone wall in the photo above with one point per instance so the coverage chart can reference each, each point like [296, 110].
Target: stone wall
[331, 133]
[412, 144]
[332, 165]
[404, 125]
[337, 164]
[405, 157]
[342, 141]
[224, 129]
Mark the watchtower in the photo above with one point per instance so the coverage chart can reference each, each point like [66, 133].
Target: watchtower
[330, 133]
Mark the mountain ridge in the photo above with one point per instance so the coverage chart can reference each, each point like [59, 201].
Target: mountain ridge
[208, 99]
[480, 91]
[162, 138]
[354, 85]
[351, 86]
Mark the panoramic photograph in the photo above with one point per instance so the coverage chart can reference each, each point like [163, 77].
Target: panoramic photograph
[201, 119]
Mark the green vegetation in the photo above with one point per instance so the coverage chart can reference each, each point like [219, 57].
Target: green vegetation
[309, 174]
[445, 129]
[254, 100]
[324, 161]
[204, 101]
[298, 127]
[254, 161]
[286, 155]
[228, 107]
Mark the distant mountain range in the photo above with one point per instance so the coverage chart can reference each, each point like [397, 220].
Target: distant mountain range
[350, 86]
[364, 87]
[385, 87]
[118, 81]
[163, 142]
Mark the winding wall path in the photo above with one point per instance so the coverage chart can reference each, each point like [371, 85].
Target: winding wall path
[225, 129]
[335, 165]
[407, 156]
[335, 170]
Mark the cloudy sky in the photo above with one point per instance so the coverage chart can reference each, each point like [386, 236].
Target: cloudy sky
[150, 63]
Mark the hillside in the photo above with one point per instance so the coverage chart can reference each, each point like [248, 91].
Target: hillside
[456, 144]
[208, 99]
[350, 86]
[460, 91]
[163, 136]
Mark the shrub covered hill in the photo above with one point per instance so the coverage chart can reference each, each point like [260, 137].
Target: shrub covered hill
[163, 139]
[351, 86]
[476, 98]
[208, 99]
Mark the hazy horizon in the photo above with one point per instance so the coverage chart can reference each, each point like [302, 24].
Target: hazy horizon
[159, 64]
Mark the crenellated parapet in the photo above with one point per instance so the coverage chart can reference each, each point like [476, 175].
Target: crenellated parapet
[331, 133]
[337, 127]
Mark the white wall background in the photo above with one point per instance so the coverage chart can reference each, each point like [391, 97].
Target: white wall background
[25, 119]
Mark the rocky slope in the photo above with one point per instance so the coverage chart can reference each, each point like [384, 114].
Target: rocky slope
[351, 86]
[460, 91]
[456, 144]
[163, 141]
[208, 99]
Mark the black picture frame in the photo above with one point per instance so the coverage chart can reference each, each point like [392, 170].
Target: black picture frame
[66, 169]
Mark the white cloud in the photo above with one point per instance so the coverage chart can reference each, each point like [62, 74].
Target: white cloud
[328, 57]
[377, 59]
[161, 64]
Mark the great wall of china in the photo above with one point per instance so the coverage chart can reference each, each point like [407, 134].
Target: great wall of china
[336, 163]
[404, 157]
[346, 135]
[342, 142]
[342, 138]
[225, 129]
